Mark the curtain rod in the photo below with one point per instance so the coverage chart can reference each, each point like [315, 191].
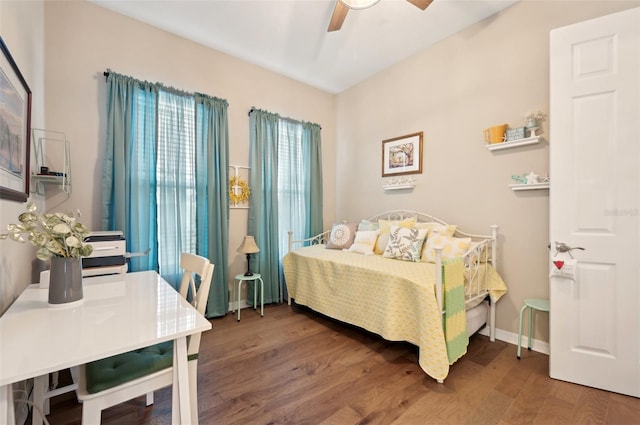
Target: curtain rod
[286, 118]
[167, 88]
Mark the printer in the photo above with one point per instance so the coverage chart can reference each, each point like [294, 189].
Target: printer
[109, 254]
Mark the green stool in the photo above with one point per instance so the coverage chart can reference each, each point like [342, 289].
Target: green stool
[531, 304]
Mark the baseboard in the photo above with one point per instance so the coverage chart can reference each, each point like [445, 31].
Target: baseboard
[243, 304]
[512, 338]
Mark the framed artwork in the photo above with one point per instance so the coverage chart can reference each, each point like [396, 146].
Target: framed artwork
[15, 125]
[402, 155]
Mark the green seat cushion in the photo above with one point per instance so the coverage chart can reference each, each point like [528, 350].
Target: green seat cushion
[116, 370]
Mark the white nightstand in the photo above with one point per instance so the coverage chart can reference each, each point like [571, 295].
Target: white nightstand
[236, 291]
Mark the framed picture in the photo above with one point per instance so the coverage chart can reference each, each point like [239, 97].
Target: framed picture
[402, 155]
[15, 125]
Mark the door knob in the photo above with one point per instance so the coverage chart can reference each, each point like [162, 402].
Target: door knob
[563, 247]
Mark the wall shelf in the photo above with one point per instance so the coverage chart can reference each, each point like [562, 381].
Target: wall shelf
[399, 186]
[515, 143]
[46, 179]
[533, 186]
[51, 150]
[400, 183]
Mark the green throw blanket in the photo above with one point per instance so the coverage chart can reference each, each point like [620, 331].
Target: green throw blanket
[455, 321]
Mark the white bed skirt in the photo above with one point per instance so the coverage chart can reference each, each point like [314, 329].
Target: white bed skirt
[477, 317]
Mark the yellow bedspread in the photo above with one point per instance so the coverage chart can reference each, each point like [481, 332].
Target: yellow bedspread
[489, 279]
[392, 298]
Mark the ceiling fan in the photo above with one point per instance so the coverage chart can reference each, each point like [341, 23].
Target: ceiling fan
[343, 6]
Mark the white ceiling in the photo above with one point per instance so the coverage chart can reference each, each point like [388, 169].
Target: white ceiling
[290, 36]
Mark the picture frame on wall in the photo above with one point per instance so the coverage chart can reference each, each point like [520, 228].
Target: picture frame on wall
[15, 126]
[402, 155]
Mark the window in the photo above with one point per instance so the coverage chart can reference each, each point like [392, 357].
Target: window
[292, 190]
[165, 178]
[175, 179]
[286, 191]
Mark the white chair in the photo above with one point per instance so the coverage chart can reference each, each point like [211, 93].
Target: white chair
[129, 375]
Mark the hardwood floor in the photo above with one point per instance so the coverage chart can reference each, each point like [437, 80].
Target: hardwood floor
[294, 366]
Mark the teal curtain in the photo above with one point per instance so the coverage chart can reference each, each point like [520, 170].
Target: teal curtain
[312, 157]
[128, 183]
[165, 179]
[286, 171]
[263, 202]
[212, 198]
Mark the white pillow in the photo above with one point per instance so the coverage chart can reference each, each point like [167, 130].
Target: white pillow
[364, 242]
[405, 243]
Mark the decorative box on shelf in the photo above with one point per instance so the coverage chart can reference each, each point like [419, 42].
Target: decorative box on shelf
[516, 133]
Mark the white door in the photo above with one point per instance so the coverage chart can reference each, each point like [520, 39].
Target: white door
[594, 201]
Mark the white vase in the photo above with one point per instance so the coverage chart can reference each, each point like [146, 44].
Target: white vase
[532, 123]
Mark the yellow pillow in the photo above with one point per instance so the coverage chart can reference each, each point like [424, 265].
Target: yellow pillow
[434, 226]
[385, 228]
[442, 229]
[423, 225]
[479, 257]
[451, 247]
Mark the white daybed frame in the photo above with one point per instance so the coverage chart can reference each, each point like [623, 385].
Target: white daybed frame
[474, 293]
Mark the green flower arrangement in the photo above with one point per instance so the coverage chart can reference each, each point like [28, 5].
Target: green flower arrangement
[55, 234]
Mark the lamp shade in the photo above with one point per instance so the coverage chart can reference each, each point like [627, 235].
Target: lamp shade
[248, 246]
[359, 4]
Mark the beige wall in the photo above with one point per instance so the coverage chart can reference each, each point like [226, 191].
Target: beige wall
[492, 73]
[83, 40]
[22, 29]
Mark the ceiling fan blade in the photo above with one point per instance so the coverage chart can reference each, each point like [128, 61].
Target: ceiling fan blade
[339, 13]
[422, 4]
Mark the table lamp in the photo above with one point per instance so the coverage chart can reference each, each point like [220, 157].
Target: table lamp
[248, 246]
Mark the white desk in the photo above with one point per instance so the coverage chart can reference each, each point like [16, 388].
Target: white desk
[119, 313]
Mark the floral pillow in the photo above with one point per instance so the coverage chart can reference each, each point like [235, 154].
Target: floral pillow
[364, 242]
[342, 235]
[451, 247]
[385, 227]
[405, 243]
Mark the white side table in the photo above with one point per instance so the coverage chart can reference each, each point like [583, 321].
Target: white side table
[256, 277]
